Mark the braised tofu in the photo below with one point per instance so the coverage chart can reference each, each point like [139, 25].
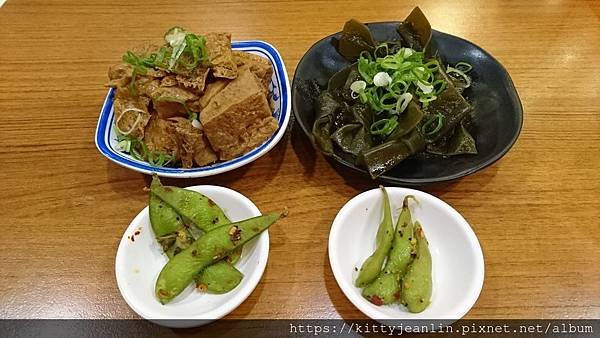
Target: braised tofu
[195, 81]
[131, 114]
[119, 75]
[161, 89]
[238, 118]
[212, 89]
[193, 145]
[220, 55]
[171, 101]
[259, 66]
[160, 136]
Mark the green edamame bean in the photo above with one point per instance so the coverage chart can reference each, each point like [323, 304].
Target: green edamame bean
[234, 256]
[386, 288]
[177, 242]
[179, 272]
[220, 277]
[174, 237]
[163, 219]
[194, 207]
[417, 283]
[385, 234]
[403, 245]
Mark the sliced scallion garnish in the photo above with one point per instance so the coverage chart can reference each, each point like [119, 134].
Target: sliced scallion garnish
[463, 66]
[384, 127]
[437, 121]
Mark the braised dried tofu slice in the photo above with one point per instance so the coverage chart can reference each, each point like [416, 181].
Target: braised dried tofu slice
[131, 114]
[260, 66]
[169, 81]
[171, 101]
[119, 75]
[196, 80]
[193, 145]
[218, 46]
[238, 118]
[211, 90]
[146, 86]
[160, 136]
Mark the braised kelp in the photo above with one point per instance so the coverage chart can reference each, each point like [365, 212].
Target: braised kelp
[395, 99]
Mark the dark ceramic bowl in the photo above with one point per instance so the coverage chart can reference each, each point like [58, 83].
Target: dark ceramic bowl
[497, 117]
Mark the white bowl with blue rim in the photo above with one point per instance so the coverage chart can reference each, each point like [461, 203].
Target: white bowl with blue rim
[106, 137]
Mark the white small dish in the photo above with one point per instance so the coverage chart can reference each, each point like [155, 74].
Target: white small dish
[139, 262]
[458, 267]
[279, 90]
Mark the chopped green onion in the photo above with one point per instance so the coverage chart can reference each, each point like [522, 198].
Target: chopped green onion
[135, 123]
[426, 88]
[405, 71]
[432, 65]
[438, 119]
[403, 102]
[124, 145]
[384, 127]
[382, 79]
[381, 46]
[439, 86]
[463, 66]
[425, 99]
[358, 86]
[465, 77]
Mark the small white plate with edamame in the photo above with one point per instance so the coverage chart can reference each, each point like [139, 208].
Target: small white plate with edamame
[457, 259]
[140, 259]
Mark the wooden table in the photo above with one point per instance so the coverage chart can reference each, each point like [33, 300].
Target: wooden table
[64, 206]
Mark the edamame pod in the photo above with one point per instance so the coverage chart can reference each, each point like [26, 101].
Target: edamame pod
[385, 234]
[403, 246]
[179, 272]
[174, 236]
[220, 277]
[417, 283]
[386, 288]
[163, 218]
[194, 207]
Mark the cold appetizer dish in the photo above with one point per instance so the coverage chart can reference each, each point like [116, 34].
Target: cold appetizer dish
[202, 244]
[191, 101]
[399, 271]
[396, 99]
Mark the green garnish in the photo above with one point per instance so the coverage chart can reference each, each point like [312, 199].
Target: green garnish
[384, 127]
[409, 73]
[438, 119]
[139, 150]
[182, 49]
[463, 66]
[139, 65]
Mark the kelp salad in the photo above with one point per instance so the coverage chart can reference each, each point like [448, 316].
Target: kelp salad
[396, 99]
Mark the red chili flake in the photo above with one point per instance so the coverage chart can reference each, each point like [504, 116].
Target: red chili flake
[376, 300]
[210, 202]
[397, 295]
[235, 234]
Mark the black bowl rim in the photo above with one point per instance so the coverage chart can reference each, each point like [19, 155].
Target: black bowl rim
[422, 181]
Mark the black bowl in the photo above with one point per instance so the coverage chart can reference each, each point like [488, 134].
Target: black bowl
[497, 117]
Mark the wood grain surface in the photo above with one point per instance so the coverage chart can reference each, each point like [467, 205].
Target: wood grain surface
[64, 206]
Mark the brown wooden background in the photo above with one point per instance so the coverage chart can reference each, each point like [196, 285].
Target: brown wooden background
[64, 207]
